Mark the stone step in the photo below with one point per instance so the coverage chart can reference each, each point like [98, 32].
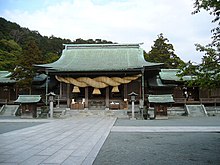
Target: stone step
[196, 110]
[9, 110]
[109, 113]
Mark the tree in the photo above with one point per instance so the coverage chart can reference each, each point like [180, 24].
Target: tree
[207, 73]
[9, 53]
[213, 6]
[50, 57]
[24, 71]
[163, 52]
[209, 69]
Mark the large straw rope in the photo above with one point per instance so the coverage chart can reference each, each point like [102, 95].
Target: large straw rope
[98, 82]
[107, 80]
[92, 82]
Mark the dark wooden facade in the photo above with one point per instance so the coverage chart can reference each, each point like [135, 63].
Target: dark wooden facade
[107, 98]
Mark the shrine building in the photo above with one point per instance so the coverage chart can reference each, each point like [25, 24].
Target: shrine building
[100, 76]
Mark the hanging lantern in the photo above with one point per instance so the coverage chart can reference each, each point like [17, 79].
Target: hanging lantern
[96, 91]
[115, 89]
[76, 89]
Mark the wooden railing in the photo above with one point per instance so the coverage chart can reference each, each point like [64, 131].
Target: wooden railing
[3, 101]
[201, 101]
[209, 100]
[180, 100]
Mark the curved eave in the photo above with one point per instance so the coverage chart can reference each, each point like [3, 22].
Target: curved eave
[109, 57]
[7, 81]
[28, 99]
[63, 69]
[161, 99]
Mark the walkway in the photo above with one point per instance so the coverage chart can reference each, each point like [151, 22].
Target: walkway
[165, 129]
[67, 142]
[178, 125]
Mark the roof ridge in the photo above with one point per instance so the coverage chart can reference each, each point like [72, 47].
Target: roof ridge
[72, 46]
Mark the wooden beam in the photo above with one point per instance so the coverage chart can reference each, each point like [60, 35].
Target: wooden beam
[86, 97]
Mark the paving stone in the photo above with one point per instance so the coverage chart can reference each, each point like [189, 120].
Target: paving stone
[22, 156]
[34, 160]
[59, 157]
[88, 161]
[4, 157]
[19, 149]
[76, 160]
[50, 150]
[8, 164]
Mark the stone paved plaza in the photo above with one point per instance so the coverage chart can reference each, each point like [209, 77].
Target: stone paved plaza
[72, 141]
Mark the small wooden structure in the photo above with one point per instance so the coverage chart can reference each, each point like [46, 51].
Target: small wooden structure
[160, 103]
[28, 105]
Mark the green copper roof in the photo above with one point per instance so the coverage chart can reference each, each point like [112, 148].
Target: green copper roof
[40, 77]
[28, 99]
[160, 99]
[156, 82]
[4, 74]
[4, 77]
[100, 57]
[171, 75]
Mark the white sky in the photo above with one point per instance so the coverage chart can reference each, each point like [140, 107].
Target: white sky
[122, 21]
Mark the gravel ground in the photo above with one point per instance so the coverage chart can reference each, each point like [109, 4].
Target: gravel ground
[172, 121]
[162, 148]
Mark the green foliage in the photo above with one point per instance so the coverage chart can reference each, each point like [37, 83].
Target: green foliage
[50, 47]
[209, 69]
[189, 69]
[207, 73]
[213, 6]
[25, 71]
[21, 48]
[50, 57]
[163, 52]
[9, 53]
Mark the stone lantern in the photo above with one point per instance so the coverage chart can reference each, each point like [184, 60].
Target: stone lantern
[133, 97]
[51, 98]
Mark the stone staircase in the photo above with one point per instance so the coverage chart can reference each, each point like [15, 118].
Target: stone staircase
[196, 110]
[108, 113]
[8, 110]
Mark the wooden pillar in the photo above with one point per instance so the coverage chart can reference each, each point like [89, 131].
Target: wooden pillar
[86, 97]
[107, 98]
[16, 91]
[61, 89]
[9, 94]
[68, 95]
[125, 91]
[47, 86]
[143, 94]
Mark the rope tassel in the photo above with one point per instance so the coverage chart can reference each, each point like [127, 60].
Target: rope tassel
[96, 91]
[76, 89]
[115, 89]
